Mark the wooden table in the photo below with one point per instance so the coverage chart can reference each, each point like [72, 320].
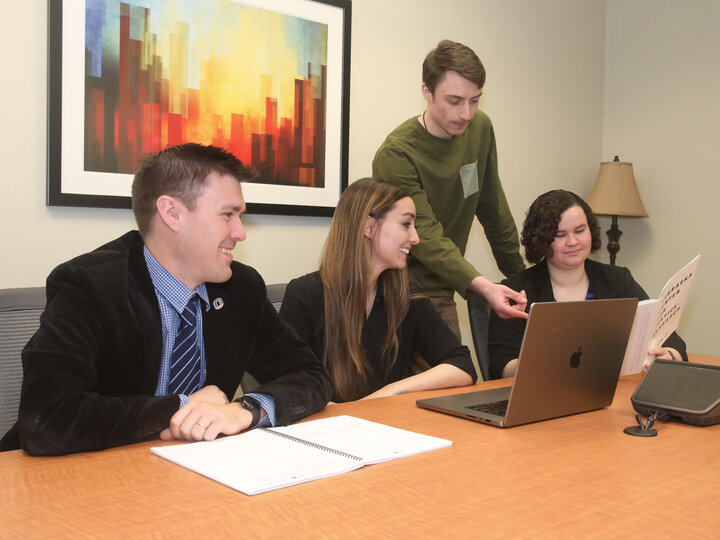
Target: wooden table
[578, 476]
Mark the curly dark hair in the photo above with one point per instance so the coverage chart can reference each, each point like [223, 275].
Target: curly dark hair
[543, 217]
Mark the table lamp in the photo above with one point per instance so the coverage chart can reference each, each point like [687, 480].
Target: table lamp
[616, 194]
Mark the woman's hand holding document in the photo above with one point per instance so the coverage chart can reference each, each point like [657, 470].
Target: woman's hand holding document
[655, 320]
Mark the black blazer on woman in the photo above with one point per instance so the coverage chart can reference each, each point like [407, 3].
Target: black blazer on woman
[422, 331]
[505, 335]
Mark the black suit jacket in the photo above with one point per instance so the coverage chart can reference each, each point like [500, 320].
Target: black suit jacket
[91, 370]
[505, 335]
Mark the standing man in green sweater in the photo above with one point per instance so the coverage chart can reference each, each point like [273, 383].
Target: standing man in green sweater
[447, 159]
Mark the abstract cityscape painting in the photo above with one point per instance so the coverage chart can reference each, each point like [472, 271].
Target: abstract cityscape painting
[265, 79]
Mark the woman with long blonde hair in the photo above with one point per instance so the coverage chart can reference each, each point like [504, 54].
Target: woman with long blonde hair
[357, 313]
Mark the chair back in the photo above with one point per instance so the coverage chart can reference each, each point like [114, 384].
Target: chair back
[479, 315]
[275, 293]
[20, 311]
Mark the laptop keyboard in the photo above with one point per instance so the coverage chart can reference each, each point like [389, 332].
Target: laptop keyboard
[497, 408]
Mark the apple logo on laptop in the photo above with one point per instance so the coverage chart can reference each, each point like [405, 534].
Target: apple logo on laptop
[575, 358]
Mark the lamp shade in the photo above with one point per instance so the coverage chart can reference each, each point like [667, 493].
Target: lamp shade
[615, 192]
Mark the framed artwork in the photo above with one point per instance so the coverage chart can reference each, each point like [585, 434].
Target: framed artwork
[266, 79]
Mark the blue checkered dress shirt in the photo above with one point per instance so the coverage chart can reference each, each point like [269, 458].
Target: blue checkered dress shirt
[173, 296]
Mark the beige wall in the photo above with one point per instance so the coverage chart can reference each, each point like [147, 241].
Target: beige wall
[558, 109]
[661, 112]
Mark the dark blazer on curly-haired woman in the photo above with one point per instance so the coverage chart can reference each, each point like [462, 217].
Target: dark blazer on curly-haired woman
[505, 335]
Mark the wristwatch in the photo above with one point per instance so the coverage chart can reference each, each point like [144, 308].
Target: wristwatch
[251, 404]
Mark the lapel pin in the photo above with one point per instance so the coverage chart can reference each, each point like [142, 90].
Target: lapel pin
[218, 303]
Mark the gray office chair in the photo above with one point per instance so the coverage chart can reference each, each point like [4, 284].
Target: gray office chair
[275, 293]
[20, 311]
[479, 315]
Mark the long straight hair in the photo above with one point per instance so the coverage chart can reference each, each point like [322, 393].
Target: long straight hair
[344, 269]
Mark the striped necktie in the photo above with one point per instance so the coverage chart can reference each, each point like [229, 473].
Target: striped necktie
[185, 361]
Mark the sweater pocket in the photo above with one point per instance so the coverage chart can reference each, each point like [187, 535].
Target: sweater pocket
[469, 179]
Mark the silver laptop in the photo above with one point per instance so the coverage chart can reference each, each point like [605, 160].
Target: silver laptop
[569, 362]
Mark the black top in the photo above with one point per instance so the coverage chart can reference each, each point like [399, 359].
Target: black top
[505, 335]
[91, 370]
[421, 331]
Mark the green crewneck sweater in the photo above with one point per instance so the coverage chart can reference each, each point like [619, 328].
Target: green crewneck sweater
[451, 181]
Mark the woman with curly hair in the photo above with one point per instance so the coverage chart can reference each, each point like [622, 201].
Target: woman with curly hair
[357, 313]
[559, 233]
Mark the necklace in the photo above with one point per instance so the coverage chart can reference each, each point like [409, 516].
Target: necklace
[423, 120]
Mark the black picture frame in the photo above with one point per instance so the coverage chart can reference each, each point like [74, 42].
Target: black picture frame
[66, 176]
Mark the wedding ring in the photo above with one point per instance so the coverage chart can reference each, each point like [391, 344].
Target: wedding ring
[201, 425]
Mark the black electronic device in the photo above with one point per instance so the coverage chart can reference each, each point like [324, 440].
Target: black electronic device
[684, 390]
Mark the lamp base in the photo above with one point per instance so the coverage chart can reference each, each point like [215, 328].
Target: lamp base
[613, 234]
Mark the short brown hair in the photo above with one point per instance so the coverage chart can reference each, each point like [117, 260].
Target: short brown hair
[543, 217]
[452, 56]
[181, 172]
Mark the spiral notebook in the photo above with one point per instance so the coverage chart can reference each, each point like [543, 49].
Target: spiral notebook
[264, 459]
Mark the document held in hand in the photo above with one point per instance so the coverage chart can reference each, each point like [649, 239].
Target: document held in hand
[655, 320]
[264, 459]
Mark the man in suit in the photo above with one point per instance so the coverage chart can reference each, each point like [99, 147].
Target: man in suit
[149, 335]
